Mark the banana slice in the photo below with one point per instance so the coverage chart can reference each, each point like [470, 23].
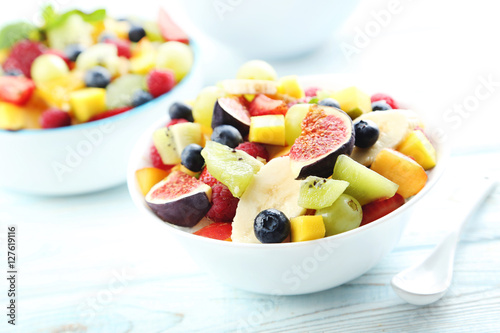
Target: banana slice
[252, 87]
[273, 186]
[394, 126]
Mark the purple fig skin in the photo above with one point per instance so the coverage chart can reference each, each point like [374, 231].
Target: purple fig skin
[222, 116]
[184, 212]
[323, 167]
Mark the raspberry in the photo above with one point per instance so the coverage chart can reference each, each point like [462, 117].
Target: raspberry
[223, 204]
[311, 91]
[387, 98]
[254, 149]
[208, 179]
[176, 121]
[123, 46]
[160, 81]
[22, 55]
[53, 118]
[156, 159]
[110, 113]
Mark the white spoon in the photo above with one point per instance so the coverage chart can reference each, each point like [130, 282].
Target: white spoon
[428, 281]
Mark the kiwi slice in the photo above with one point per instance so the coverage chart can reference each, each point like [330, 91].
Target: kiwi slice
[316, 192]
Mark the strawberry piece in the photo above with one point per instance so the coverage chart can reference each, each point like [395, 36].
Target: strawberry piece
[169, 29]
[381, 207]
[156, 160]
[263, 105]
[110, 113]
[22, 55]
[122, 45]
[384, 97]
[311, 91]
[208, 179]
[160, 81]
[16, 89]
[223, 204]
[176, 121]
[61, 55]
[54, 118]
[254, 149]
[217, 230]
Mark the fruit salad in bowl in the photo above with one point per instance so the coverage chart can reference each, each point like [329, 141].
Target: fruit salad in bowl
[78, 83]
[265, 174]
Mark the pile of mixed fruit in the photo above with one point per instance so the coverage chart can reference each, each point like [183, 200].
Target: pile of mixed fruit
[259, 159]
[78, 67]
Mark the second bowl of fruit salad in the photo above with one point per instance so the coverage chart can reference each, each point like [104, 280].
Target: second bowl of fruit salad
[286, 186]
[77, 91]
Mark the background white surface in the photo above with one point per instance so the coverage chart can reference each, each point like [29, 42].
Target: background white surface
[71, 249]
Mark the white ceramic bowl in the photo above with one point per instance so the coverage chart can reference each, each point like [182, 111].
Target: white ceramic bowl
[291, 268]
[86, 157]
[266, 29]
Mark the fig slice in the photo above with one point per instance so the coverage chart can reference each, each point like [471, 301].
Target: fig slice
[180, 199]
[231, 111]
[326, 134]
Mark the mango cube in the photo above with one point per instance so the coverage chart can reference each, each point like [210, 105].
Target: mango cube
[307, 227]
[268, 129]
[149, 177]
[143, 63]
[402, 170]
[289, 85]
[353, 101]
[57, 91]
[417, 146]
[12, 117]
[88, 102]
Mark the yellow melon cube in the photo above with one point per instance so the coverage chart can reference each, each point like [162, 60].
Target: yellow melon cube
[402, 170]
[56, 92]
[149, 177]
[289, 85]
[12, 117]
[419, 147]
[307, 227]
[268, 129]
[353, 101]
[143, 63]
[88, 102]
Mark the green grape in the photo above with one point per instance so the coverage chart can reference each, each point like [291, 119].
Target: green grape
[203, 107]
[175, 56]
[48, 67]
[257, 70]
[345, 214]
[293, 121]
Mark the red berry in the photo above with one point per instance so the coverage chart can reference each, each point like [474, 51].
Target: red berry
[263, 105]
[160, 81]
[207, 178]
[387, 98]
[169, 30]
[217, 230]
[16, 89]
[176, 121]
[311, 91]
[156, 159]
[53, 118]
[223, 204]
[254, 149]
[22, 55]
[381, 207]
[61, 55]
[122, 45]
[110, 113]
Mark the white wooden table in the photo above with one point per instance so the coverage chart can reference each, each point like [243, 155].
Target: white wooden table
[91, 264]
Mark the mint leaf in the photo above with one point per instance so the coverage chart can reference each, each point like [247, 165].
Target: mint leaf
[314, 100]
[13, 33]
[53, 20]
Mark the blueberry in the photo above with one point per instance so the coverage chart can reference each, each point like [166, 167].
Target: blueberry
[227, 135]
[73, 51]
[97, 77]
[13, 72]
[330, 102]
[136, 33]
[365, 133]
[180, 110]
[381, 106]
[140, 97]
[106, 35]
[191, 157]
[271, 226]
